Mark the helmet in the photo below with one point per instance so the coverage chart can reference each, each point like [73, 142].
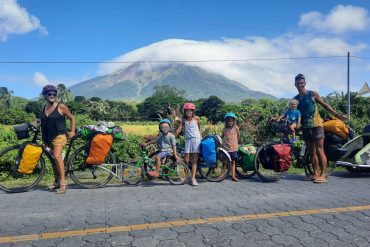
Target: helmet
[230, 114]
[165, 120]
[189, 106]
[49, 88]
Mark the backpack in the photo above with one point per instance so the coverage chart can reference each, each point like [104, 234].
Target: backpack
[99, 148]
[281, 158]
[208, 148]
[28, 156]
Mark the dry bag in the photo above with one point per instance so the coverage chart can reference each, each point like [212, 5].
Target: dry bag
[30, 155]
[99, 148]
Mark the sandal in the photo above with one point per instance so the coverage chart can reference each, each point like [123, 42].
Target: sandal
[319, 181]
[235, 179]
[62, 189]
[54, 186]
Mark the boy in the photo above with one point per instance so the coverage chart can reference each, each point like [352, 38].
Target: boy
[167, 143]
[293, 116]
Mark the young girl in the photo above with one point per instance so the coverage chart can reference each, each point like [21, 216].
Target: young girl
[230, 139]
[191, 125]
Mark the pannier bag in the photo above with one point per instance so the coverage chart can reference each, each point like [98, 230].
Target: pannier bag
[99, 148]
[29, 156]
[209, 150]
[281, 159]
[266, 157]
[247, 153]
[332, 144]
[22, 131]
[337, 127]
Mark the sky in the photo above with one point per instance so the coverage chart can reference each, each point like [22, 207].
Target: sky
[261, 44]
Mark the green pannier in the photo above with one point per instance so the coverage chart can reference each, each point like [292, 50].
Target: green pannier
[247, 153]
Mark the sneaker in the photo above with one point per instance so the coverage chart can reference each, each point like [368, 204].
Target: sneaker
[194, 182]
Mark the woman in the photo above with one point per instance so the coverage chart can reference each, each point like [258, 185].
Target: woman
[312, 130]
[53, 126]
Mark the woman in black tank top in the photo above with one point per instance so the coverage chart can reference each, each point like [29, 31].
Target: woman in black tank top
[53, 126]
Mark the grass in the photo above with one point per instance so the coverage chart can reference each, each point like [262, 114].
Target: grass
[140, 130]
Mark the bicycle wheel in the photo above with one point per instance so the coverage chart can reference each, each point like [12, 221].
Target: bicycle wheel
[176, 173]
[267, 174]
[11, 180]
[91, 176]
[218, 171]
[132, 174]
[242, 172]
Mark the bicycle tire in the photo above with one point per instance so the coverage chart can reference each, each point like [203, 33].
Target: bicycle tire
[219, 171]
[11, 180]
[86, 175]
[242, 173]
[132, 175]
[178, 173]
[267, 175]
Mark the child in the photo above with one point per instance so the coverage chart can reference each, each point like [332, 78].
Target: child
[230, 139]
[167, 143]
[190, 123]
[293, 116]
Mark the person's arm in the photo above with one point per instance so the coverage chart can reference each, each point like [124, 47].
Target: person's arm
[298, 122]
[150, 142]
[179, 128]
[327, 107]
[198, 122]
[70, 116]
[222, 133]
[238, 134]
[280, 117]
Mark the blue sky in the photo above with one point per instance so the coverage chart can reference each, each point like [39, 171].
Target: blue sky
[93, 31]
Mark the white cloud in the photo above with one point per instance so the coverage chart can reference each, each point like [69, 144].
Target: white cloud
[274, 76]
[40, 79]
[339, 20]
[15, 19]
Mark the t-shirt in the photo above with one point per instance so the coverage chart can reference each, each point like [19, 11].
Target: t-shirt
[166, 142]
[230, 140]
[292, 115]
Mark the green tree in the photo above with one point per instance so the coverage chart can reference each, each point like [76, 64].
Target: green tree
[209, 108]
[33, 107]
[64, 94]
[6, 97]
[155, 106]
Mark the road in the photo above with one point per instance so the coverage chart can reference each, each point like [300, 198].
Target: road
[291, 212]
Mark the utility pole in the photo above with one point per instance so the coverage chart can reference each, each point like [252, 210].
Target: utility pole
[348, 89]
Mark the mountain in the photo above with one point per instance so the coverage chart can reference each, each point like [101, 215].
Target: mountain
[137, 81]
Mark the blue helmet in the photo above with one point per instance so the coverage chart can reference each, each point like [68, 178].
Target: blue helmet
[165, 120]
[230, 114]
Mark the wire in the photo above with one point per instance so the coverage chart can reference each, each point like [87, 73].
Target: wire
[367, 58]
[169, 61]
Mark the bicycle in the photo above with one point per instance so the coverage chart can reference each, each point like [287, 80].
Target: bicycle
[13, 181]
[171, 170]
[298, 153]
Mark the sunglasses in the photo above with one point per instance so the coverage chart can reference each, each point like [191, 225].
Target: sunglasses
[52, 94]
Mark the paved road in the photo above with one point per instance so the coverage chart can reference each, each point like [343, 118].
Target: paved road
[242, 213]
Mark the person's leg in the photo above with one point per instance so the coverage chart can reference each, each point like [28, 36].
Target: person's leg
[194, 165]
[57, 152]
[158, 161]
[313, 157]
[187, 159]
[292, 128]
[319, 146]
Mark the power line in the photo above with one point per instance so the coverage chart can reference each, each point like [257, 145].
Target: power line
[366, 58]
[170, 61]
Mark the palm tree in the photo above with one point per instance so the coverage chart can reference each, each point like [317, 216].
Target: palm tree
[6, 97]
[64, 94]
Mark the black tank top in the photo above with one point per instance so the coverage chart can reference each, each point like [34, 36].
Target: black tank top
[52, 125]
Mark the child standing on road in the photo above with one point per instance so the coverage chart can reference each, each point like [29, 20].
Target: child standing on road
[293, 116]
[190, 123]
[230, 139]
[167, 143]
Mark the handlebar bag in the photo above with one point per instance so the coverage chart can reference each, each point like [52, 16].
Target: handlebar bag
[99, 148]
[29, 155]
[21, 131]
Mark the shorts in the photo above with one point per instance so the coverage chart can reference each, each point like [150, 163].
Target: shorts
[163, 154]
[313, 134]
[192, 146]
[60, 140]
[234, 155]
